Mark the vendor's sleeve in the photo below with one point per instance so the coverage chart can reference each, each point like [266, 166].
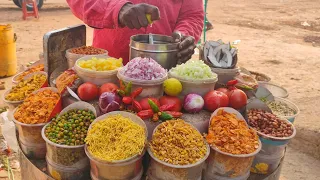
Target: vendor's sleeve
[191, 17]
[97, 13]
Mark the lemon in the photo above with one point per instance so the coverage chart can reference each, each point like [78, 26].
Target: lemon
[148, 16]
[172, 87]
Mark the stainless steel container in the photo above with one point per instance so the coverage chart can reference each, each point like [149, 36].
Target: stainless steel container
[162, 50]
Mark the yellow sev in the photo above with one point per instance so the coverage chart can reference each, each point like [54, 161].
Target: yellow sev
[115, 138]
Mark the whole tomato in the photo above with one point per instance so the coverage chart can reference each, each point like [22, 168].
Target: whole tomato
[238, 98]
[215, 99]
[145, 105]
[88, 91]
[164, 100]
[224, 90]
[108, 87]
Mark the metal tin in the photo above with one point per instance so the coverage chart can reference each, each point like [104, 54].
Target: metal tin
[162, 50]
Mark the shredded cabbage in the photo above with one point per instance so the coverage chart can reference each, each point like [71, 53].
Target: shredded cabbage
[193, 69]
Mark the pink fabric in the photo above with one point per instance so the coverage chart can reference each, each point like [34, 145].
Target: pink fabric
[185, 16]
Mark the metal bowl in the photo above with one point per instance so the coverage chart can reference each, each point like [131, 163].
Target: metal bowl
[162, 50]
[276, 90]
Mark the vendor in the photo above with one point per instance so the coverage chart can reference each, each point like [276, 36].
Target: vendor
[115, 21]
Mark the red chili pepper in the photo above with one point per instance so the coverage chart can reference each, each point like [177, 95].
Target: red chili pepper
[166, 107]
[174, 114]
[136, 92]
[232, 82]
[136, 106]
[127, 100]
[145, 114]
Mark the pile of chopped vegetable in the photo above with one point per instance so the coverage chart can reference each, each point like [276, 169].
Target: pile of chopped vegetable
[143, 69]
[193, 69]
[115, 138]
[101, 64]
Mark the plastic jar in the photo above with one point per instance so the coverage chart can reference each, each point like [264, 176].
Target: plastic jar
[290, 105]
[67, 173]
[225, 75]
[209, 176]
[64, 155]
[96, 77]
[226, 164]
[199, 120]
[122, 169]
[72, 57]
[33, 150]
[151, 88]
[266, 164]
[160, 170]
[29, 133]
[200, 87]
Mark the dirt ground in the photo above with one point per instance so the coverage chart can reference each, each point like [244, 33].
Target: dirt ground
[280, 38]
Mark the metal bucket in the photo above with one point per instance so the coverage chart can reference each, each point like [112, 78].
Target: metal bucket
[163, 50]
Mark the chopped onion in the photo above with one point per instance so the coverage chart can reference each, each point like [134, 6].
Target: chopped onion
[143, 69]
[193, 103]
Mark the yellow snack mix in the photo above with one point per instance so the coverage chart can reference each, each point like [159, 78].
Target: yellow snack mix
[26, 87]
[177, 142]
[36, 68]
[101, 64]
[115, 138]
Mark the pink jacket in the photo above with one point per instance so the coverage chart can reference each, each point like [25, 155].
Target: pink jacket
[185, 16]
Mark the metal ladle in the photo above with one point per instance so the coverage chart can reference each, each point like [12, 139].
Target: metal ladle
[150, 38]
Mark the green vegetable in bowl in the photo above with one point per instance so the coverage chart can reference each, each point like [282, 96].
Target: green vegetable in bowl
[193, 69]
[70, 128]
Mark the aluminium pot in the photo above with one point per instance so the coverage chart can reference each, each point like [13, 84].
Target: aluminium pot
[162, 50]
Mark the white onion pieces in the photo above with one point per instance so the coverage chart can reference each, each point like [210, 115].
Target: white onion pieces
[193, 69]
[143, 69]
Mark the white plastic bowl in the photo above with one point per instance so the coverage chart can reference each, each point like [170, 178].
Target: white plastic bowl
[96, 77]
[151, 88]
[197, 86]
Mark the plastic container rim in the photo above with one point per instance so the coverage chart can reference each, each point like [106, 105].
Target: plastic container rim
[124, 160]
[279, 138]
[143, 82]
[295, 107]
[68, 52]
[24, 124]
[181, 166]
[24, 78]
[195, 81]
[55, 144]
[278, 86]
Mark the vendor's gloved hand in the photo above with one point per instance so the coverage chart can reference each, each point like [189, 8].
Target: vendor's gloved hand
[186, 46]
[134, 16]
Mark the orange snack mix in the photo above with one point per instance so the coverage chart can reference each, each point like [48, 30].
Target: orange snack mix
[231, 135]
[37, 108]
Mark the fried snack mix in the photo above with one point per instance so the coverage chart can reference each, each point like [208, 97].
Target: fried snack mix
[36, 68]
[26, 87]
[231, 135]
[177, 142]
[37, 108]
[67, 78]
